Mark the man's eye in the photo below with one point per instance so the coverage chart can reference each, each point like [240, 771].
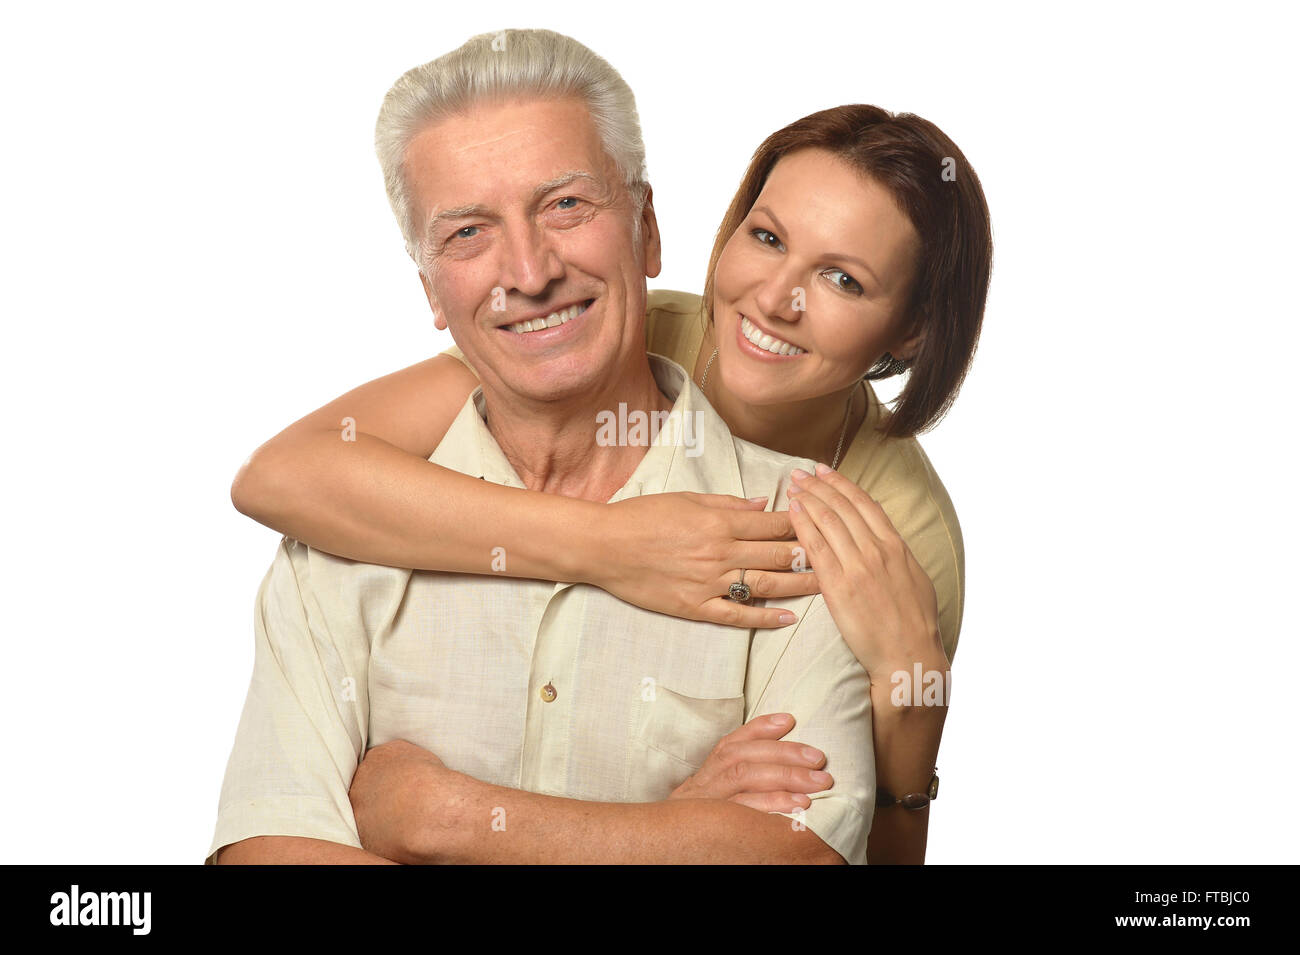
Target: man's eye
[767, 238]
[572, 199]
[842, 280]
[468, 232]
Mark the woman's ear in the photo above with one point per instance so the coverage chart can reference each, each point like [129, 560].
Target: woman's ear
[439, 320]
[910, 340]
[908, 348]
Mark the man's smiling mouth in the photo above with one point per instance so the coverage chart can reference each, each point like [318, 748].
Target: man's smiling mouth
[549, 321]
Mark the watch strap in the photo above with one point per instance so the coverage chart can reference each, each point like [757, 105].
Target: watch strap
[912, 801]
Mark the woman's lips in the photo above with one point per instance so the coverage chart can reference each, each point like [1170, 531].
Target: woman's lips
[757, 350]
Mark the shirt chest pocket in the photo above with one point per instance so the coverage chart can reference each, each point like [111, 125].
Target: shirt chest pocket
[690, 686]
[672, 735]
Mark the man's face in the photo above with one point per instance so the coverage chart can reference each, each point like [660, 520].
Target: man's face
[525, 217]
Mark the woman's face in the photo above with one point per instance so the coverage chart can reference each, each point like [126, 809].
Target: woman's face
[822, 266]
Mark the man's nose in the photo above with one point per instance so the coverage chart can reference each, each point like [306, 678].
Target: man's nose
[530, 261]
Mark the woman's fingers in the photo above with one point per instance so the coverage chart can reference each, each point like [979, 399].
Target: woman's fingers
[867, 507]
[773, 569]
[716, 536]
[728, 501]
[831, 547]
[839, 508]
[729, 613]
[775, 585]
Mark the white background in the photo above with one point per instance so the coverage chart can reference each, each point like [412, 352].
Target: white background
[197, 250]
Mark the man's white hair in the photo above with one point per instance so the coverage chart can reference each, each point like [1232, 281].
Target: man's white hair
[496, 66]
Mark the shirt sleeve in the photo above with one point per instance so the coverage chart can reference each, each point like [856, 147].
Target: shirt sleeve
[808, 670]
[455, 352]
[674, 326]
[934, 534]
[303, 727]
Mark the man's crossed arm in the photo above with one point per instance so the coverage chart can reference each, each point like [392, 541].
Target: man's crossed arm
[410, 808]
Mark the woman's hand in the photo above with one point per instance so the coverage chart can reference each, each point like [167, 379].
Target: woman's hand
[678, 554]
[882, 601]
[752, 767]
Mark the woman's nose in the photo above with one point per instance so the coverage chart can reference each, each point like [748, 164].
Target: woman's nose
[781, 297]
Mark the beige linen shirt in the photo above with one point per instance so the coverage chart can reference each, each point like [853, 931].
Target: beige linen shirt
[553, 688]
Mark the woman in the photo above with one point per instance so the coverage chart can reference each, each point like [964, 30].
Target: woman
[857, 247]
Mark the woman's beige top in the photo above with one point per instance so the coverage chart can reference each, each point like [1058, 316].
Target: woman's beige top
[894, 471]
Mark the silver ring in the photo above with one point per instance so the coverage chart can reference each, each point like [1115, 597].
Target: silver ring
[739, 591]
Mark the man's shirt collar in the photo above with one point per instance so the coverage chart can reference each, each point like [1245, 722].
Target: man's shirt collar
[692, 450]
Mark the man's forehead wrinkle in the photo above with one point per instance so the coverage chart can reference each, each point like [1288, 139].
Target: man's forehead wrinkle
[487, 142]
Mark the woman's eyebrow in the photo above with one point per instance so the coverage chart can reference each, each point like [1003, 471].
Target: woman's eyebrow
[771, 215]
[830, 255]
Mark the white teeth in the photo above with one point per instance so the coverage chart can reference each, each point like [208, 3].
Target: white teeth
[767, 342]
[550, 321]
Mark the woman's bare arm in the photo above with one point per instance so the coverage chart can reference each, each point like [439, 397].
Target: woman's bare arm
[375, 497]
[352, 478]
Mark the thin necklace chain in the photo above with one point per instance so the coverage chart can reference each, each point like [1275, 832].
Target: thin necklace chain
[844, 428]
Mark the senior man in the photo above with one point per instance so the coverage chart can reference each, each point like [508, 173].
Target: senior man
[515, 720]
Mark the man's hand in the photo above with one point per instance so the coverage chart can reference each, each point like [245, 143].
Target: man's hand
[402, 795]
[752, 767]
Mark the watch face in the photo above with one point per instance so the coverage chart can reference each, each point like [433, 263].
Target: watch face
[934, 786]
[915, 801]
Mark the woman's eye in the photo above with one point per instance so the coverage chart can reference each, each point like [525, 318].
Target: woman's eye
[842, 280]
[767, 238]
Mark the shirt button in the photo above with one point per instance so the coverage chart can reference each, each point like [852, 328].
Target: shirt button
[549, 694]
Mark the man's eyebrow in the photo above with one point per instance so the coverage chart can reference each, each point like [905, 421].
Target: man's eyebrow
[462, 212]
[830, 255]
[563, 180]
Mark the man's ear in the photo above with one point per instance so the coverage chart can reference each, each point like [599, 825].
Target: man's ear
[439, 320]
[650, 236]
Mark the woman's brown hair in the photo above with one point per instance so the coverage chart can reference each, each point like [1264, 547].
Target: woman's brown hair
[939, 192]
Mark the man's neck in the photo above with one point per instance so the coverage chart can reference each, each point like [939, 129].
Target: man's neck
[554, 446]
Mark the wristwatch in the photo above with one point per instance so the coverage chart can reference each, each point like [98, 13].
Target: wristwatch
[885, 799]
